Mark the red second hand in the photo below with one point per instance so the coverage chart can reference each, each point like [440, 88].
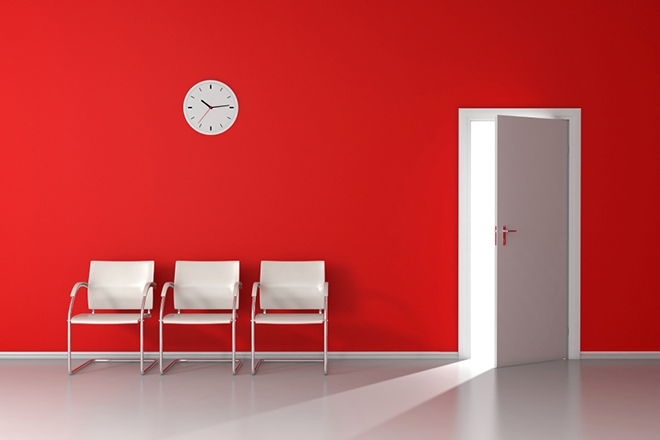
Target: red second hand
[200, 120]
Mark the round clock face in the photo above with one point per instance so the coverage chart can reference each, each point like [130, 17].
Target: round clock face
[210, 107]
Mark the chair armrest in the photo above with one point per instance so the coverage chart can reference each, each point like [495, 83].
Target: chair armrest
[325, 302]
[77, 287]
[163, 293]
[166, 286]
[237, 286]
[148, 286]
[255, 287]
[74, 291]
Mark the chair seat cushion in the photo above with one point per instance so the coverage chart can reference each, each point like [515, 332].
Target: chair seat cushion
[288, 318]
[106, 318]
[197, 318]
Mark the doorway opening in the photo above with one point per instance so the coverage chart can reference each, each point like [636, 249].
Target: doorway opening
[482, 250]
[477, 134]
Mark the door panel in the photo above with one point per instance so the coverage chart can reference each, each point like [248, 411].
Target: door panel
[532, 268]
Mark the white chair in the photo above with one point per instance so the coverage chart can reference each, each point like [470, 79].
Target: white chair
[291, 289]
[124, 291]
[208, 286]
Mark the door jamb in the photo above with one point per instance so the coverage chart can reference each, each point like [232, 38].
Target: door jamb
[574, 116]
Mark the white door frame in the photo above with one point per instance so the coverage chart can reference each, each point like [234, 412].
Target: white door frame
[573, 115]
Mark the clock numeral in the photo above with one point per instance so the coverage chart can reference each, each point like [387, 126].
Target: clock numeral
[192, 97]
[222, 126]
[210, 86]
[200, 89]
[210, 128]
[231, 107]
[192, 118]
[228, 96]
[189, 107]
[200, 125]
[221, 89]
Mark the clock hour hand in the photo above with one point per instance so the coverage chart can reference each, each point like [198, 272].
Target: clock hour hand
[206, 104]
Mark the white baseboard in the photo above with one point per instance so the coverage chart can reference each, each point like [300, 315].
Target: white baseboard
[639, 355]
[335, 355]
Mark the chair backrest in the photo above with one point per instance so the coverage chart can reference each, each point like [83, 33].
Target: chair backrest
[292, 285]
[205, 284]
[119, 284]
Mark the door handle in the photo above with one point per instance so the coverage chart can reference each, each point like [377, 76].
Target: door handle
[504, 231]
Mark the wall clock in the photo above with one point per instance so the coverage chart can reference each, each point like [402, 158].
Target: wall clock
[210, 107]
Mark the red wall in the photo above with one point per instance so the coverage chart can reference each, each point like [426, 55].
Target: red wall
[345, 149]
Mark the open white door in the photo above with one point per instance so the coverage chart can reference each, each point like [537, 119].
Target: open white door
[532, 240]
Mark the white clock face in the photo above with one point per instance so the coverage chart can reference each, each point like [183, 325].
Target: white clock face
[210, 107]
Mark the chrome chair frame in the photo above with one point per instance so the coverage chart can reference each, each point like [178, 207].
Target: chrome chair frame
[255, 287]
[236, 364]
[143, 315]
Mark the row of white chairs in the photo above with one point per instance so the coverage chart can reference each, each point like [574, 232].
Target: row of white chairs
[121, 292]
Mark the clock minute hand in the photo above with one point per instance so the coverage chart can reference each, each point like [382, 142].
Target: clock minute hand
[217, 106]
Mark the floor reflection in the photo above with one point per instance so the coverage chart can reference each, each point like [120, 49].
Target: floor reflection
[359, 399]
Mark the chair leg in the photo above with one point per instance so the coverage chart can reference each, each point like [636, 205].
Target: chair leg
[141, 346]
[90, 361]
[233, 346]
[160, 345]
[68, 345]
[235, 363]
[73, 371]
[252, 334]
[255, 366]
[325, 347]
[234, 366]
[153, 362]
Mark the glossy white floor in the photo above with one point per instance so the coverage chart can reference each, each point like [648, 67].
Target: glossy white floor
[365, 399]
